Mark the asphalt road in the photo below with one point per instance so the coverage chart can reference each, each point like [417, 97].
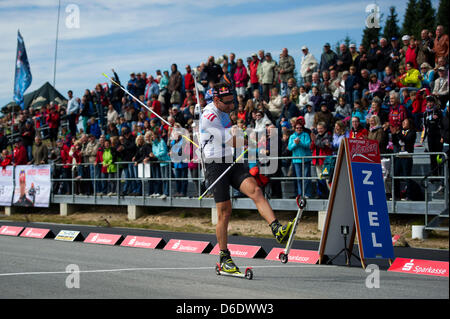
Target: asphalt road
[43, 269]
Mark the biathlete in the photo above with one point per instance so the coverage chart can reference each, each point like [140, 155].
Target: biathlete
[218, 138]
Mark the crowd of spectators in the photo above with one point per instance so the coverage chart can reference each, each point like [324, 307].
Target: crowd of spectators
[386, 92]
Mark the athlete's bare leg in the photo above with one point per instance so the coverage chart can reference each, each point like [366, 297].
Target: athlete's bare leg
[250, 188]
[223, 218]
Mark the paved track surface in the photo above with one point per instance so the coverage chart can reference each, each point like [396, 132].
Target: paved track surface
[36, 268]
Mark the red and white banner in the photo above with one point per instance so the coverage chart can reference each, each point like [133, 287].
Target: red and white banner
[141, 242]
[295, 255]
[32, 185]
[420, 267]
[10, 230]
[245, 251]
[189, 246]
[35, 232]
[103, 239]
[6, 185]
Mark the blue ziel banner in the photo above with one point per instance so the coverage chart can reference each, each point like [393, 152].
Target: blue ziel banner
[373, 215]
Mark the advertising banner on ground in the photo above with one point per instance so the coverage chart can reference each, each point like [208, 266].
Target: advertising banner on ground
[32, 186]
[6, 185]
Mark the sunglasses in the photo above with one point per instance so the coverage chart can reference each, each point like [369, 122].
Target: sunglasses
[227, 103]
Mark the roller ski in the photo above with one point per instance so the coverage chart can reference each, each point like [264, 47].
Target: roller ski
[227, 267]
[284, 255]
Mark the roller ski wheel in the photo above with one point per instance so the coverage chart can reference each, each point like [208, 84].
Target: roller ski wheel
[283, 257]
[248, 274]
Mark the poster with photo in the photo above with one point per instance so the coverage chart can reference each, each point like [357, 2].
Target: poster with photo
[6, 185]
[32, 186]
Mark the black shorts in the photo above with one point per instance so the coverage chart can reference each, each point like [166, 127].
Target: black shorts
[234, 177]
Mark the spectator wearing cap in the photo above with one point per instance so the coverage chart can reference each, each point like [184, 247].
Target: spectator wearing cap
[253, 68]
[140, 85]
[441, 44]
[308, 65]
[440, 89]
[132, 84]
[300, 146]
[403, 48]
[324, 115]
[267, 75]
[355, 55]
[427, 73]
[373, 56]
[328, 59]
[395, 55]
[286, 67]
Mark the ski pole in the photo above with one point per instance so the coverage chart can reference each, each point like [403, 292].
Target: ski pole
[143, 104]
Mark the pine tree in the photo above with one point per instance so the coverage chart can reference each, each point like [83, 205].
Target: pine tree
[391, 28]
[425, 16]
[409, 26]
[370, 34]
[441, 16]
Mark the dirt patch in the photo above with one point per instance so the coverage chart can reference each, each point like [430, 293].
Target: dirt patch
[243, 222]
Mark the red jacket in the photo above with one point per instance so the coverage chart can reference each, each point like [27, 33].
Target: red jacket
[65, 157]
[319, 147]
[189, 83]
[253, 71]
[396, 115]
[240, 75]
[419, 105]
[6, 161]
[20, 156]
[360, 133]
[53, 119]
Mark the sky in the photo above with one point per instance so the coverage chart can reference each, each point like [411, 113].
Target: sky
[145, 35]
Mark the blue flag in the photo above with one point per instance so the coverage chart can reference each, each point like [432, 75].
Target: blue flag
[22, 76]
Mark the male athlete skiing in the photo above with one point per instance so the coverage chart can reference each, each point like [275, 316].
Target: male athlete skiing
[218, 138]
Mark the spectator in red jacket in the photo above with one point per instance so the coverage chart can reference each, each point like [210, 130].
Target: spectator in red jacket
[321, 145]
[20, 153]
[397, 112]
[53, 123]
[189, 84]
[240, 77]
[253, 66]
[66, 171]
[6, 159]
[419, 106]
[358, 131]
